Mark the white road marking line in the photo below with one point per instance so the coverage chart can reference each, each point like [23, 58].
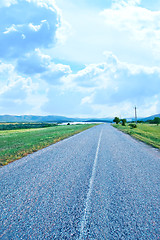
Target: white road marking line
[88, 200]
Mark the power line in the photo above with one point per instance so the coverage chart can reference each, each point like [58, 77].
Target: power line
[135, 115]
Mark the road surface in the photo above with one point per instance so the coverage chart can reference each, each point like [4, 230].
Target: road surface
[99, 184]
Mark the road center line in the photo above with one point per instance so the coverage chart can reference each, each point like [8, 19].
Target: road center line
[88, 200]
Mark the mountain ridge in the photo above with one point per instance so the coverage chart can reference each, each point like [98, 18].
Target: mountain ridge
[150, 117]
[60, 119]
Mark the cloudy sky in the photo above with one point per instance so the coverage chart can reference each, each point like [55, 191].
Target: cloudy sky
[83, 58]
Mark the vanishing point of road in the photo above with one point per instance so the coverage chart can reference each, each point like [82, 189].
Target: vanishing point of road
[99, 184]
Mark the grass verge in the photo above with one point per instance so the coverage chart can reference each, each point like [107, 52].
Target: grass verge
[15, 144]
[148, 133]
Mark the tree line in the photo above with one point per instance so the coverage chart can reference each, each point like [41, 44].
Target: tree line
[123, 121]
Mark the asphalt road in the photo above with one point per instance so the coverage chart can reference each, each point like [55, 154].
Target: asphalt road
[99, 184]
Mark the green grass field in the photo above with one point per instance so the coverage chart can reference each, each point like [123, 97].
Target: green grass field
[14, 126]
[15, 144]
[148, 133]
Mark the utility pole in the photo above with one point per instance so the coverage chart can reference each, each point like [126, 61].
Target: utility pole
[135, 115]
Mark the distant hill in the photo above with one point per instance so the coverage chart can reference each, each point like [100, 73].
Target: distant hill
[150, 117]
[60, 119]
[100, 120]
[50, 118]
[32, 118]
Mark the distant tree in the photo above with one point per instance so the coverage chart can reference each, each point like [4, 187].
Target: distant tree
[156, 120]
[68, 123]
[123, 122]
[140, 121]
[116, 120]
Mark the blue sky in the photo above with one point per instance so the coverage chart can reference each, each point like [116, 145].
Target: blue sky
[80, 58]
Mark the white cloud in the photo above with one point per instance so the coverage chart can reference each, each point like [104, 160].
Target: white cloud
[110, 88]
[36, 28]
[136, 24]
[7, 3]
[30, 25]
[89, 76]
[19, 95]
[55, 73]
[130, 31]
[41, 65]
[124, 3]
[63, 32]
[120, 47]
[116, 86]
[33, 63]
[10, 29]
[88, 99]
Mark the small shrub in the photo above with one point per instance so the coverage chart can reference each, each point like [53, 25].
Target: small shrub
[133, 125]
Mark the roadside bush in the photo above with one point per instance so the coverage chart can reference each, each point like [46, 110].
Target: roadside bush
[133, 125]
[123, 122]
